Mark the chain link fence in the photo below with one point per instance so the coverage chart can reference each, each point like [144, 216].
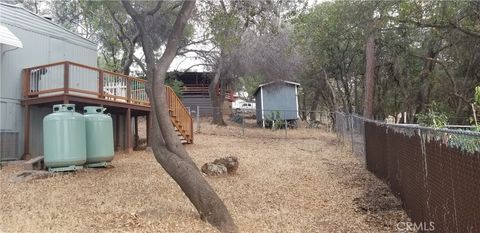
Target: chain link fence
[435, 172]
[281, 123]
[350, 129]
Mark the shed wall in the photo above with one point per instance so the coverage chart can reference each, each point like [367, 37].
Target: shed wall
[281, 98]
[258, 105]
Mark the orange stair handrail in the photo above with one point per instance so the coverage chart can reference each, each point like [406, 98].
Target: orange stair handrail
[179, 115]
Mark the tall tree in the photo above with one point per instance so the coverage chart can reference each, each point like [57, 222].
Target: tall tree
[229, 21]
[370, 74]
[167, 148]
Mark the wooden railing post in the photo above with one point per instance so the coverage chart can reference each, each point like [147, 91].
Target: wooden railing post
[26, 83]
[101, 93]
[129, 88]
[66, 74]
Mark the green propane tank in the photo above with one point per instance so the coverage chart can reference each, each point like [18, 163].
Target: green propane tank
[99, 129]
[64, 143]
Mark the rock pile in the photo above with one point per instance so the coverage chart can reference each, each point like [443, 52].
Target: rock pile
[221, 167]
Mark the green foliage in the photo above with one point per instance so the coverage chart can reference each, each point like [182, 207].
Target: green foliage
[274, 120]
[175, 84]
[408, 34]
[250, 84]
[107, 24]
[466, 143]
[432, 118]
[477, 95]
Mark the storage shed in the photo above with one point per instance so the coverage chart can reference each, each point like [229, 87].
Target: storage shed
[277, 100]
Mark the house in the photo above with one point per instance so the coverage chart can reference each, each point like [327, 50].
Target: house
[277, 100]
[43, 64]
[195, 92]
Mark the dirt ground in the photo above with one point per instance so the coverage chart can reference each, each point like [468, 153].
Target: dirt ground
[309, 182]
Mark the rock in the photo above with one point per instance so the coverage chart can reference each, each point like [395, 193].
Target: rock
[141, 144]
[212, 169]
[23, 176]
[230, 162]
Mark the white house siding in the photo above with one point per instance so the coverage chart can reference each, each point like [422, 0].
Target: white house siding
[43, 42]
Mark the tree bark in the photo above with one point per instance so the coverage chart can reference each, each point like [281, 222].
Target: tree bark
[167, 148]
[428, 66]
[303, 114]
[208, 204]
[314, 107]
[216, 99]
[369, 77]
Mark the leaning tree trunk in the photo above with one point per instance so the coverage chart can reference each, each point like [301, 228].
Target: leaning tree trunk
[187, 175]
[166, 145]
[216, 99]
[369, 77]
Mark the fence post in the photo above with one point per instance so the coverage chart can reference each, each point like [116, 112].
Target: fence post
[198, 119]
[243, 122]
[285, 119]
[351, 129]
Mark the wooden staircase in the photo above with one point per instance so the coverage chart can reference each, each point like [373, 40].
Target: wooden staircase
[180, 116]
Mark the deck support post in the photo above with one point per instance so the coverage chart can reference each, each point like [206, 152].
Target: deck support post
[117, 132]
[26, 133]
[136, 137]
[128, 131]
[148, 126]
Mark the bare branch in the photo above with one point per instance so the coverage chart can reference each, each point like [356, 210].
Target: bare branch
[154, 10]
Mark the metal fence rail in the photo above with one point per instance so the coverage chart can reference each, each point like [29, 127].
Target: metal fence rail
[435, 172]
[274, 120]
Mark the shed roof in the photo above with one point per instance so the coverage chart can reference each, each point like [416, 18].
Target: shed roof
[269, 83]
[16, 16]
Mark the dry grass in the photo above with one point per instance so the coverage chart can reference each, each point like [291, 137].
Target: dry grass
[308, 183]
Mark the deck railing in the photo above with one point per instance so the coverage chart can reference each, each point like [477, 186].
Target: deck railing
[73, 78]
[180, 115]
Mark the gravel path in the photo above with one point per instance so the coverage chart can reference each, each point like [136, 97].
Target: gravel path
[308, 183]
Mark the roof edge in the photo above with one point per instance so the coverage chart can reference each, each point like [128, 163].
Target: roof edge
[272, 82]
[49, 21]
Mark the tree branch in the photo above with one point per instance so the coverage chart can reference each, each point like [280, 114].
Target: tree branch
[450, 25]
[154, 10]
[174, 37]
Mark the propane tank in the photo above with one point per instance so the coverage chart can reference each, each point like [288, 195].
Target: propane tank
[99, 135]
[64, 142]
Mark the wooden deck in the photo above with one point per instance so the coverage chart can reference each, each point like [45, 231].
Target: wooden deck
[69, 82]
